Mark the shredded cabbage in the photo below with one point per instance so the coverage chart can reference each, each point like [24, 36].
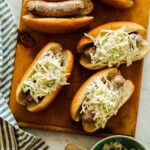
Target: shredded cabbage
[48, 75]
[114, 46]
[101, 99]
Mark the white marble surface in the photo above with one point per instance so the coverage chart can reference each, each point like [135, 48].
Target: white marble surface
[57, 141]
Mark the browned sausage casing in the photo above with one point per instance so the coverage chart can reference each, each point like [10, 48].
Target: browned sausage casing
[56, 9]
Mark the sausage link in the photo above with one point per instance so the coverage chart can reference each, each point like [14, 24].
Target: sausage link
[118, 81]
[56, 9]
[60, 56]
[87, 117]
[89, 51]
[112, 74]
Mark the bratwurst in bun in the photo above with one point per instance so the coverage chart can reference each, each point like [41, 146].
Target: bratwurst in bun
[99, 98]
[113, 44]
[59, 16]
[45, 77]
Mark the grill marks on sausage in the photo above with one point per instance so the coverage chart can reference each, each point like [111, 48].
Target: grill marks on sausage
[56, 9]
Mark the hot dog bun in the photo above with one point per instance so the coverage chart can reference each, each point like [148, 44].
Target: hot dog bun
[68, 64]
[129, 27]
[56, 24]
[122, 4]
[79, 97]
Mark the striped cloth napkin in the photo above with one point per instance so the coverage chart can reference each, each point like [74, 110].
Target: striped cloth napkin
[11, 136]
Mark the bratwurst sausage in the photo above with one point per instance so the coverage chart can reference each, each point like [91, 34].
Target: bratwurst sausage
[56, 9]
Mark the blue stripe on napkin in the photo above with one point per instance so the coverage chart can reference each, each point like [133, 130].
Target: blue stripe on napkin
[8, 139]
[11, 136]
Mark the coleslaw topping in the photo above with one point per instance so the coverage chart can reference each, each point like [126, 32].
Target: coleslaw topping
[113, 47]
[48, 74]
[101, 99]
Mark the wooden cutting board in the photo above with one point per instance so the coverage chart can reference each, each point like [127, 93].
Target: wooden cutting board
[57, 115]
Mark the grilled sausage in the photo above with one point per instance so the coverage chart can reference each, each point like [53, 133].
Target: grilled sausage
[118, 81]
[89, 51]
[29, 97]
[87, 116]
[56, 9]
[60, 57]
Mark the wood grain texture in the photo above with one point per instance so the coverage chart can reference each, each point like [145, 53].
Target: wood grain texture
[57, 115]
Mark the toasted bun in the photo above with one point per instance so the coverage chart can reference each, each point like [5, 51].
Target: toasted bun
[130, 27]
[122, 4]
[68, 64]
[56, 25]
[79, 97]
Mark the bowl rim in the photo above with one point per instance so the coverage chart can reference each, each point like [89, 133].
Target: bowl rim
[118, 136]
